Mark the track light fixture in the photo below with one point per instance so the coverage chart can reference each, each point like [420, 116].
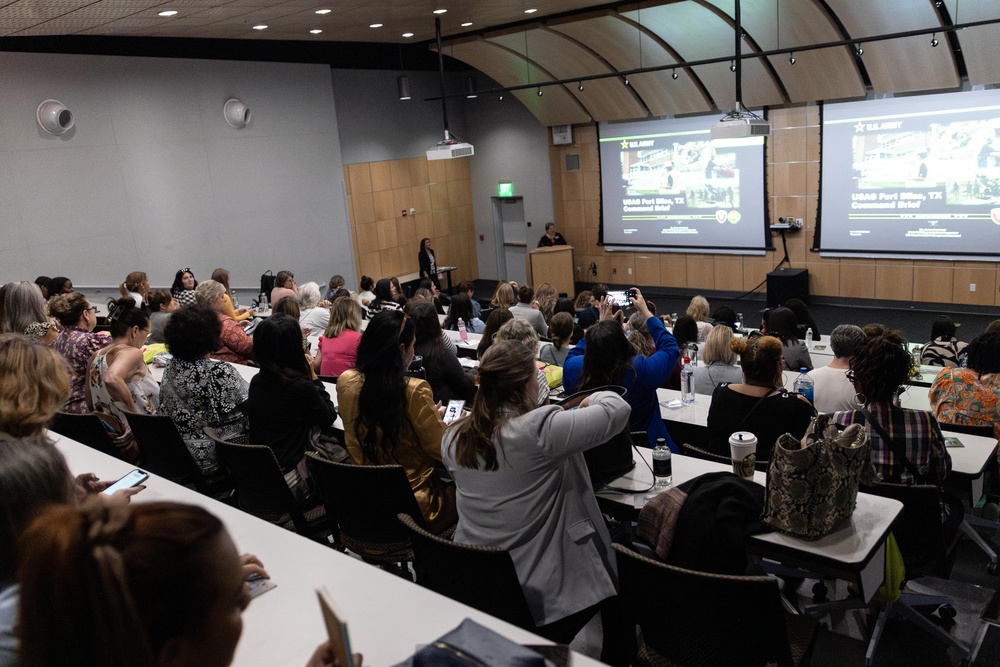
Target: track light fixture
[500, 98]
[673, 74]
[791, 58]
[859, 51]
[732, 65]
[403, 85]
[580, 87]
[934, 40]
[625, 80]
[539, 91]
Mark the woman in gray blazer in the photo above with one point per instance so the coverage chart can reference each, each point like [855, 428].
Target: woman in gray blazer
[522, 485]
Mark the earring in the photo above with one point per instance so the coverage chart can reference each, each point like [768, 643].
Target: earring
[860, 399]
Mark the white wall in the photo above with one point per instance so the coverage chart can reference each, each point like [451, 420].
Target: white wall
[376, 125]
[511, 145]
[151, 178]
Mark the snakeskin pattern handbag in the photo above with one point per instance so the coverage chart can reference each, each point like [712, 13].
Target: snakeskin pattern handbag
[812, 484]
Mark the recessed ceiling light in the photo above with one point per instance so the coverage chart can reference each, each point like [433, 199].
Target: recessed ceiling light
[168, 12]
[467, 24]
[407, 34]
[440, 11]
[375, 25]
[315, 31]
[260, 27]
[530, 11]
[323, 11]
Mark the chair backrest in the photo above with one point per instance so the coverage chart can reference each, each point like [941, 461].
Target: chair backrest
[479, 576]
[693, 618]
[260, 487]
[365, 499]
[87, 429]
[329, 378]
[163, 450]
[918, 530]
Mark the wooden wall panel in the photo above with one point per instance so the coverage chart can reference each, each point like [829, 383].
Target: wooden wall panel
[894, 281]
[385, 241]
[982, 275]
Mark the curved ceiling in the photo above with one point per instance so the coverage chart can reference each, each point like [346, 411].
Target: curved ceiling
[678, 32]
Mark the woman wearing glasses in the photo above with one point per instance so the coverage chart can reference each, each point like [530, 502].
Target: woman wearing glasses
[77, 342]
[119, 381]
[390, 418]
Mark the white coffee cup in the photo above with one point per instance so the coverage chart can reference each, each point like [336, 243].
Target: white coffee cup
[743, 449]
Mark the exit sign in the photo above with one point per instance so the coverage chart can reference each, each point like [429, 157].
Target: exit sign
[505, 189]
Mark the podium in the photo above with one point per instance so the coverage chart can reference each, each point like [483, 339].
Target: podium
[553, 265]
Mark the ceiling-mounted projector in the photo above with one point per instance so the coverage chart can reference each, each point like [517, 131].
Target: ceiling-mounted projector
[740, 124]
[449, 148]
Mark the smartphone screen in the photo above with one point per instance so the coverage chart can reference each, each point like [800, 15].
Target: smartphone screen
[454, 411]
[619, 298]
[134, 478]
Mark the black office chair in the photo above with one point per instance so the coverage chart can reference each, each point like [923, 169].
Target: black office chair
[693, 618]
[261, 489]
[164, 453]
[479, 576]
[366, 501]
[86, 429]
[925, 549]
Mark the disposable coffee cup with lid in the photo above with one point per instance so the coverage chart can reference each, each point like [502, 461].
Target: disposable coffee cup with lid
[743, 449]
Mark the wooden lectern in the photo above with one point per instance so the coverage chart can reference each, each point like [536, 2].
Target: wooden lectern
[553, 265]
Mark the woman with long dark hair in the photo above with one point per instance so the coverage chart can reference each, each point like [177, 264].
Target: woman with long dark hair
[605, 357]
[386, 296]
[497, 318]
[288, 406]
[183, 287]
[427, 261]
[392, 418]
[527, 460]
[781, 323]
[461, 309]
[444, 373]
[971, 396]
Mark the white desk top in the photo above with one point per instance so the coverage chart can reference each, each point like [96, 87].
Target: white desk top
[388, 616]
[850, 546]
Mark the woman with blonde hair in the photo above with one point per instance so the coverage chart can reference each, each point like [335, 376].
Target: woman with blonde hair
[221, 276]
[77, 342]
[136, 285]
[338, 346]
[503, 296]
[546, 297]
[698, 311]
[717, 362]
[34, 385]
[759, 404]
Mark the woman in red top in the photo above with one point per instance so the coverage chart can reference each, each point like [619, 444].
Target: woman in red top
[236, 346]
[338, 346]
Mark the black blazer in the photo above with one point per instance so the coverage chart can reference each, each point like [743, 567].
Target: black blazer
[425, 265]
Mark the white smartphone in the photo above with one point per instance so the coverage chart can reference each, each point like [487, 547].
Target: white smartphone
[453, 411]
[134, 478]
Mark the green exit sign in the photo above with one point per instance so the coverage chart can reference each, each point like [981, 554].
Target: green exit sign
[505, 189]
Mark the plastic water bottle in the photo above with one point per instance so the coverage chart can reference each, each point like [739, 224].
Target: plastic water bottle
[262, 301]
[687, 382]
[809, 338]
[739, 321]
[663, 471]
[804, 384]
[462, 333]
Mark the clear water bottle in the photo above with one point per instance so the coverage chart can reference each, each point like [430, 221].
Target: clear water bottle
[809, 338]
[663, 471]
[687, 382]
[262, 301]
[804, 384]
[739, 321]
[462, 333]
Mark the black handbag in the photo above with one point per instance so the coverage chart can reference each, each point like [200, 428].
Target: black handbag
[267, 283]
[613, 458]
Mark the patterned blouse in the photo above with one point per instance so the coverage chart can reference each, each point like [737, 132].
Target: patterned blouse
[200, 393]
[917, 431]
[77, 347]
[185, 297]
[941, 352]
[963, 396]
